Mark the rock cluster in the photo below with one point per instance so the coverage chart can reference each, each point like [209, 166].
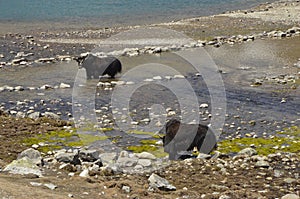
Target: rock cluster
[28, 58]
[7, 88]
[274, 171]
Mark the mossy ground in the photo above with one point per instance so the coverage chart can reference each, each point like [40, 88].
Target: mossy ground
[149, 145]
[55, 140]
[285, 141]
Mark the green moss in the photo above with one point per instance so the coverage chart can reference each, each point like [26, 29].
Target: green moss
[292, 131]
[142, 148]
[55, 140]
[159, 153]
[265, 146]
[148, 146]
[148, 142]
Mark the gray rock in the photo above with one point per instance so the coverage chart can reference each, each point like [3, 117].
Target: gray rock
[33, 155]
[138, 168]
[127, 162]
[290, 196]
[34, 115]
[160, 183]
[248, 151]
[51, 115]
[23, 166]
[108, 158]
[144, 162]
[145, 155]
[262, 163]
[72, 158]
[124, 154]
[89, 155]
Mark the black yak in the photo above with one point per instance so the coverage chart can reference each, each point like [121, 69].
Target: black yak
[181, 137]
[99, 66]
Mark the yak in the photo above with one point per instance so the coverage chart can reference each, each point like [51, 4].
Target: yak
[99, 66]
[181, 137]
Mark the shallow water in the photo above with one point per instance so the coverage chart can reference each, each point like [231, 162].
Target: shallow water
[262, 104]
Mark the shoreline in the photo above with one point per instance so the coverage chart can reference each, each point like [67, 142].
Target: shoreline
[232, 27]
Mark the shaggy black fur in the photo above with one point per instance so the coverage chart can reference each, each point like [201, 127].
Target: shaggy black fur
[96, 66]
[184, 137]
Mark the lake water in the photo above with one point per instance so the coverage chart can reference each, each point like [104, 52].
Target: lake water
[111, 12]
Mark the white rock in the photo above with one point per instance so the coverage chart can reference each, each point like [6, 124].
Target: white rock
[156, 181]
[36, 184]
[84, 173]
[63, 85]
[179, 77]
[50, 186]
[157, 78]
[203, 106]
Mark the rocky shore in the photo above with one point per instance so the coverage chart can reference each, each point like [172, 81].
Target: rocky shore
[257, 157]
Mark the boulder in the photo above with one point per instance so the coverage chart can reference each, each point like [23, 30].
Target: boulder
[156, 181]
[108, 158]
[33, 155]
[89, 155]
[23, 166]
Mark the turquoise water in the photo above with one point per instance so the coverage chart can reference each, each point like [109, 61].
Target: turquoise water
[114, 11]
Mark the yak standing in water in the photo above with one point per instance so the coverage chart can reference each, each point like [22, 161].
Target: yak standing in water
[185, 137]
[99, 66]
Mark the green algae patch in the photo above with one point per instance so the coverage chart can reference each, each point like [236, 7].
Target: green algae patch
[150, 146]
[292, 131]
[264, 146]
[148, 142]
[142, 148]
[55, 140]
